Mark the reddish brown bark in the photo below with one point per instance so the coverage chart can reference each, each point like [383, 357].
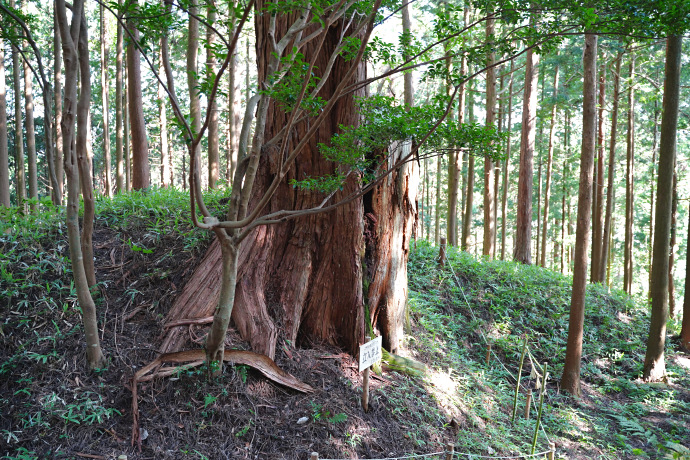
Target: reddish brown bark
[654, 364]
[598, 207]
[523, 233]
[570, 381]
[140, 146]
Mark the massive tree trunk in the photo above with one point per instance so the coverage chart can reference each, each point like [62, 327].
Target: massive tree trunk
[549, 166]
[570, 382]
[140, 146]
[4, 160]
[629, 184]
[654, 365]
[104, 97]
[605, 244]
[523, 232]
[285, 284]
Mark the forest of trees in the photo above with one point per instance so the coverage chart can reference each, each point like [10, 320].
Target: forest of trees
[347, 130]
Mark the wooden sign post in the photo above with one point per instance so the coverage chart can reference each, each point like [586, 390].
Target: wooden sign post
[369, 354]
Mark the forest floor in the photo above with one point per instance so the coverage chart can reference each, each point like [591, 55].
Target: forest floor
[145, 249]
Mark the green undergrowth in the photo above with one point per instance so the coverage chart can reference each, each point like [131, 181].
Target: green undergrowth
[39, 317]
[461, 308]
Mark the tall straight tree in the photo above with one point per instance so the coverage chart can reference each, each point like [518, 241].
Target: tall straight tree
[685, 329]
[570, 381]
[654, 364]
[104, 98]
[140, 146]
[610, 197]
[19, 166]
[506, 163]
[57, 97]
[4, 160]
[163, 120]
[488, 249]
[120, 183]
[549, 164]
[598, 191]
[213, 144]
[629, 182]
[469, 192]
[31, 158]
[523, 233]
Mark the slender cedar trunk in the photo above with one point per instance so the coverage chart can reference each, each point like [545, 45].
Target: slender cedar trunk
[506, 164]
[564, 192]
[496, 166]
[105, 90]
[30, 129]
[425, 202]
[437, 207]
[488, 248]
[140, 147]
[120, 182]
[126, 152]
[233, 114]
[213, 130]
[57, 96]
[539, 147]
[652, 167]
[453, 177]
[193, 86]
[163, 122]
[539, 179]
[598, 208]
[20, 175]
[83, 151]
[523, 232]
[469, 193]
[672, 245]
[685, 330]
[549, 165]
[629, 183]
[69, 36]
[610, 203]
[570, 382]
[4, 160]
[654, 365]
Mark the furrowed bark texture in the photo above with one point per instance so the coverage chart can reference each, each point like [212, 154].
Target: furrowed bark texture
[654, 365]
[570, 382]
[523, 233]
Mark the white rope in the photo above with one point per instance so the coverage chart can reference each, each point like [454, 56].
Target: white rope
[470, 456]
[474, 317]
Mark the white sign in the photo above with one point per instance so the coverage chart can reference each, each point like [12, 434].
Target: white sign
[370, 353]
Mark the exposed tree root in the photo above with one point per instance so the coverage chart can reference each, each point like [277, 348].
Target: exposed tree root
[193, 358]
